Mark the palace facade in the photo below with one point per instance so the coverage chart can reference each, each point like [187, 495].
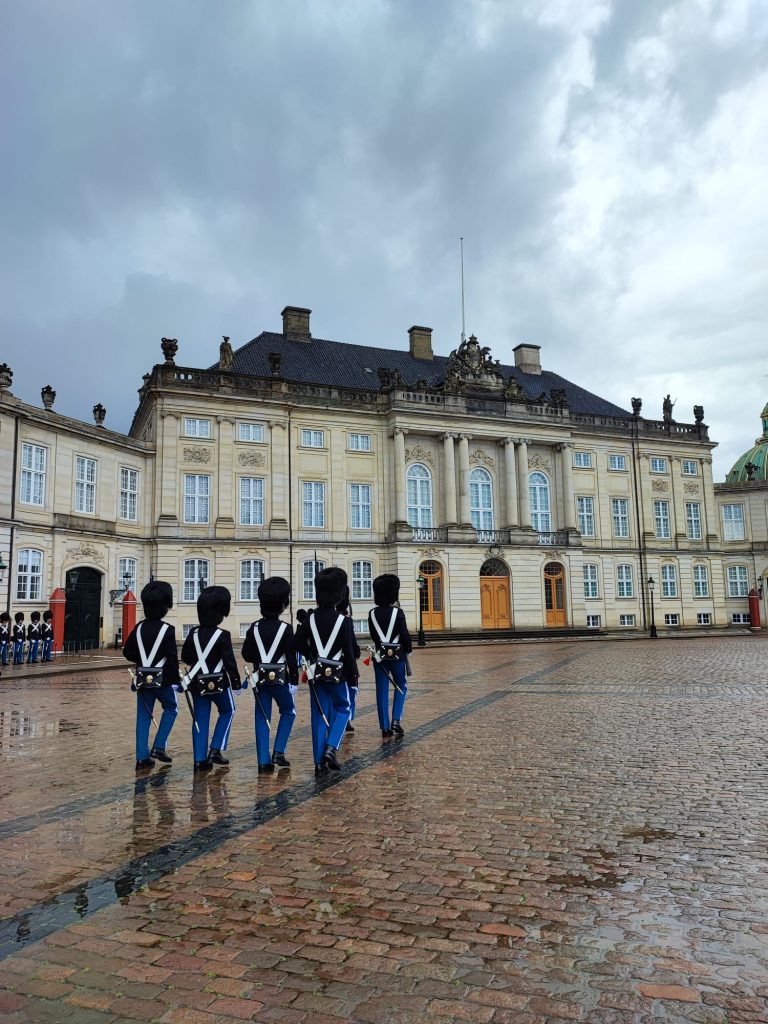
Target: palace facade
[503, 495]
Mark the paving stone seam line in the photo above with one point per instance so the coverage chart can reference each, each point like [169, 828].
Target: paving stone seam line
[73, 905]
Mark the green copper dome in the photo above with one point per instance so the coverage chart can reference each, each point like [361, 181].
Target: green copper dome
[756, 458]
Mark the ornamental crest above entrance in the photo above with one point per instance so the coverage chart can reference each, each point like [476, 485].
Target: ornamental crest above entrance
[471, 365]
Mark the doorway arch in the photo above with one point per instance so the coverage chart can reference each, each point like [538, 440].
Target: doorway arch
[432, 596]
[554, 594]
[82, 613]
[494, 595]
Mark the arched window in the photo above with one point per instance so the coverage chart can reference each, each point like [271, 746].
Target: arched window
[251, 575]
[538, 487]
[29, 577]
[481, 499]
[419, 484]
[362, 581]
[127, 567]
[196, 577]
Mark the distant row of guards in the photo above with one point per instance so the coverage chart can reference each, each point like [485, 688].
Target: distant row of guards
[34, 640]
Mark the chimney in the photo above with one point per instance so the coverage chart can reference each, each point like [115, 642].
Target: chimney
[420, 342]
[296, 323]
[527, 358]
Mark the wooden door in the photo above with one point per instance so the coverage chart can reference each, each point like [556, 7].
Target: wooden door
[431, 596]
[554, 594]
[494, 602]
[82, 615]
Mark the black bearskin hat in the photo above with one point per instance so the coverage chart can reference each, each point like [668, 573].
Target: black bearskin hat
[157, 599]
[386, 589]
[19, 616]
[47, 616]
[329, 586]
[343, 605]
[35, 616]
[302, 615]
[274, 595]
[213, 605]
[5, 617]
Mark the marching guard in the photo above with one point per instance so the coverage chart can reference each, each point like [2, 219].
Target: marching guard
[212, 677]
[392, 645]
[5, 637]
[151, 646]
[34, 637]
[270, 647]
[344, 607]
[18, 638]
[47, 650]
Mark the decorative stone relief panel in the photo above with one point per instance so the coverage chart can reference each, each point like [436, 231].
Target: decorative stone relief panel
[481, 458]
[252, 459]
[660, 487]
[431, 553]
[537, 461]
[199, 455]
[419, 454]
[86, 553]
[690, 488]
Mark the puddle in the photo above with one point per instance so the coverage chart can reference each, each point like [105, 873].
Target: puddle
[607, 880]
[649, 835]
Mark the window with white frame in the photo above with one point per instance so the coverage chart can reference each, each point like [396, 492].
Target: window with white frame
[591, 585]
[625, 586]
[481, 499]
[251, 575]
[419, 490]
[197, 489]
[585, 508]
[582, 460]
[740, 618]
[251, 501]
[127, 567]
[186, 629]
[538, 489]
[250, 432]
[593, 621]
[738, 581]
[34, 459]
[616, 462]
[620, 516]
[658, 465]
[313, 504]
[29, 575]
[129, 494]
[360, 627]
[85, 484]
[312, 438]
[195, 427]
[626, 620]
[733, 522]
[360, 442]
[196, 577]
[693, 520]
[690, 468]
[704, 618]
[671, 619]
[243, 629]
[700, 581]
[661, 516]
[308, 572]
[668, 581]
[362, 581]
[360, 506]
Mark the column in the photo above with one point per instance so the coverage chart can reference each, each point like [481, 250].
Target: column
[569, 505]
[510, 483]
[401, 510]
[166, 470]
[224, 486]
[524, 493]
[450, 479]
[710, 529]
[466, 514]
[278, 447]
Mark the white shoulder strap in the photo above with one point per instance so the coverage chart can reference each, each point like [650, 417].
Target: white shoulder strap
[323, 649]
[149, 661]
[386, 638]
[202, 655]
[266, 659]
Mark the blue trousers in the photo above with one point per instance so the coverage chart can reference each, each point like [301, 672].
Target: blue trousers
[145, 702]
[395, 670]
[4, 653]
[225, 705]
[352, 702]
[333, 698]
[286, 705]
[34, 647]
[18, 652]
[46, 655]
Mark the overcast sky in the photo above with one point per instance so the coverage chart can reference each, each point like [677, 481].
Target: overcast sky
[187, 168]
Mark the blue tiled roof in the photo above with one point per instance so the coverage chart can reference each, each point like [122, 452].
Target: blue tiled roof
[338, 364]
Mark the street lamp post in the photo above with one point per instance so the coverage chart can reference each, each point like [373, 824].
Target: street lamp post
[422, 587]
[200, 583]
[651, 584]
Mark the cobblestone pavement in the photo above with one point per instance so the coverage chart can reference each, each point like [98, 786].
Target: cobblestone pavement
[566, 832]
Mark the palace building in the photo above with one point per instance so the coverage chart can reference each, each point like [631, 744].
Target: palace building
[504, 496]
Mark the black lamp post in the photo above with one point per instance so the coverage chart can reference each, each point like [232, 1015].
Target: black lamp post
[422, 587]
[200, 583]
[3, 567]
[651, 584]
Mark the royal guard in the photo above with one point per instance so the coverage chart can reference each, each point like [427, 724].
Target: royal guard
[47, 650]
[34, 637]
[18, 638]
[5, 637]
[344, 607]
[392, 645]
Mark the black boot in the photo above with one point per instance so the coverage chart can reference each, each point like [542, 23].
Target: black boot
[217, 757]
[397, 729]
[203, 766]
[330, 760]
[279, 760]
[266, 769]
[161, 754]
[349, 727]
[321, 768]
[387, 734]
[147, 762]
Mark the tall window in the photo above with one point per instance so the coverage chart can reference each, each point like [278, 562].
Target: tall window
[591, 586]
[312, 438]
[738, 581]
[196, 577]
[127, 567]
[362, 581]
[625, 586]
[668, 581]
[620, 516]
[617, 462]
[582, 460]
[661, 515]
[419, 486]
[197, 489]
[658, 465]
[313, 504]
[360, 506]
[538, 488]
[585, 507]
[250, 431]
[360, 442]
[29, 578]
[693, 519]
[85, 484]
[700, 581]
[733, 522]
[251, 575]
[251, 501]
[689, 467]
[308, 571]
[481, 499]
[194, 427]
[33, 463]
[129, 494]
